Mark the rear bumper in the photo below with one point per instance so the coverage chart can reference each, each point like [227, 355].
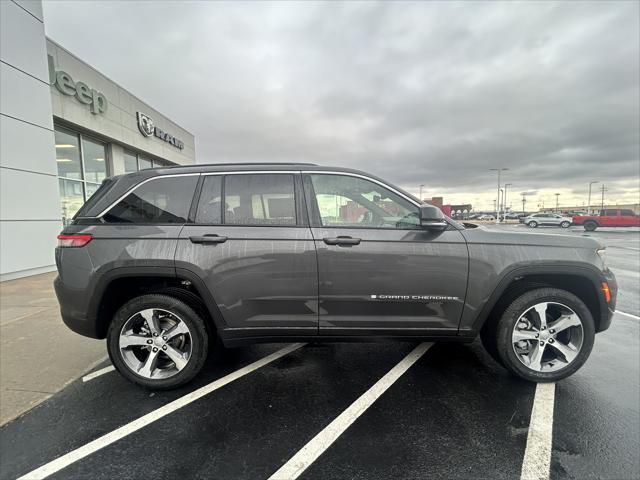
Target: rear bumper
[71, 301]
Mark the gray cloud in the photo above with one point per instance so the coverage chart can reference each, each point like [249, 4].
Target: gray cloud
[425, 92]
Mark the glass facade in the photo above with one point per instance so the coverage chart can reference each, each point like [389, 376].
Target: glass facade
[133, 162]
[82, 165]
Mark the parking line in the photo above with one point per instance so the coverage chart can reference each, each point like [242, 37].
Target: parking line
[323, 440]
[97, 373]
[537, 454]
[111, 437]
[628, 315]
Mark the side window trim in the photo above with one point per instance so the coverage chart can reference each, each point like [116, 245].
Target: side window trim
[138, 185]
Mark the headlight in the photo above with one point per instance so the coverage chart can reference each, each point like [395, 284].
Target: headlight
[602, 254]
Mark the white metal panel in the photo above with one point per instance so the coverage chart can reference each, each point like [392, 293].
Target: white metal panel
[22, 41]
[34, 7]
[27, 147]
[28, 196]
[25, 98]
[27, 245]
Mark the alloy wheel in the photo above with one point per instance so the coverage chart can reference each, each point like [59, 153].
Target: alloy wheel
[155, 343]
[547, 337]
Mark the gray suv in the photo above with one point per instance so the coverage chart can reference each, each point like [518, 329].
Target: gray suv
[169, 263]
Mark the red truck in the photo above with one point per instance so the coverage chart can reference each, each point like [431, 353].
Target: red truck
[608, 218]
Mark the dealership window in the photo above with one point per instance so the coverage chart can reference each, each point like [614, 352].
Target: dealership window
[144, 163]
[134, 162]
[130, 162]
[82, 165]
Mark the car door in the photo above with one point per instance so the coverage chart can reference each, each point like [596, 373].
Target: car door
[629, 218]
[379, 272]
[250, 243]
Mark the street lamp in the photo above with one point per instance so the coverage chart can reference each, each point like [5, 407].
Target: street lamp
[557, 196]
[504, 199]
[421, 186]
[589, 201]
[499, 170]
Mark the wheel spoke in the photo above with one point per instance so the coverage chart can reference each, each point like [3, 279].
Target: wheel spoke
[567, 351]
[541, 308]
[519, 335]
[152, 321]
[176, 356]
[564, 322]
[147, 368]
[132, 340]
[179, 329]
[535, 357]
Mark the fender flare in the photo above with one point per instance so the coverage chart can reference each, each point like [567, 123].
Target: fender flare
[587, 271]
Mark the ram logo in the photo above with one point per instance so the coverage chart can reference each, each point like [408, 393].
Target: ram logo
[145, 124]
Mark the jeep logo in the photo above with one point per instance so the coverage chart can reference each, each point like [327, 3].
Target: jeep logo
[84, 94]
[148, 128]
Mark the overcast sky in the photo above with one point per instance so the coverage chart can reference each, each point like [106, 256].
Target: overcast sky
[418, 93]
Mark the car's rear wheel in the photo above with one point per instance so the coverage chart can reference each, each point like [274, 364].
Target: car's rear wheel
[157, 341]
[533, 224]
[545, 335]
[590, 225]
[565, 224]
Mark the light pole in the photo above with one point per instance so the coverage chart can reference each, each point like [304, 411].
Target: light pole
[557, 196]
[589, 200]
[504, 199]
[421, 200]
[524, 200]
[499, 170]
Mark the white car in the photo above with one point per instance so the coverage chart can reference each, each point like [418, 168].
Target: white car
[486, 217]
[550, 219]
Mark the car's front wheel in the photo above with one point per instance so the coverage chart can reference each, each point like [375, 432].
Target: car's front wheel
[157, 341]
[545, 335]
[533, 224]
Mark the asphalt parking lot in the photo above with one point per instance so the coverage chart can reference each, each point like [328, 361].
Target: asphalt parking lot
[454, 413]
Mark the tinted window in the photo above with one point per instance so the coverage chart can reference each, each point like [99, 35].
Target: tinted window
[627, 212]
[210, 204]
[345, 201]
[260, 199]
[161, 200]
[611, 213]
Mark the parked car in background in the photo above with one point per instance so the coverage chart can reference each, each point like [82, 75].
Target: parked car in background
[511, 216]
[547, 219]
[485, 216]
[611, 217]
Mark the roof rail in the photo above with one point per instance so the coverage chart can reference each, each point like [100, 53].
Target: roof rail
[239, 163]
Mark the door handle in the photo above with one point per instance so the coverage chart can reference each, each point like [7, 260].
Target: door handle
[208, 239]
[342, 241]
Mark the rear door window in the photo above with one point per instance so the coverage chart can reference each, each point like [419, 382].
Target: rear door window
[259, 199]
[160, 200]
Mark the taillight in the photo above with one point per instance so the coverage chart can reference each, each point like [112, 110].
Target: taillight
[79, 240]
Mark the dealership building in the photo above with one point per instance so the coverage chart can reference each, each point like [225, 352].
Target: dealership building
[64, 128]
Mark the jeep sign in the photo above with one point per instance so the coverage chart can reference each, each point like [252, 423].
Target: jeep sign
[62, 80]
[147, 128]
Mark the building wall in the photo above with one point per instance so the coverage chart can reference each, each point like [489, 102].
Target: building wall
[118, 122]
[29, 202]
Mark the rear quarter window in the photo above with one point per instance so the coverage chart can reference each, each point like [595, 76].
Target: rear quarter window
[160, 200]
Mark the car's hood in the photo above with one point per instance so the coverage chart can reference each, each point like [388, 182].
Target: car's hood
[490, 236]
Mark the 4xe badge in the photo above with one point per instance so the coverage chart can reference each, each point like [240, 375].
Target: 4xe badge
[148, 128]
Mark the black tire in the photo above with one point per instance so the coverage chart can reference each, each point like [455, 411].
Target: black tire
[565, 224]
[532, 224]
[520, 305]
[197, 330]
[590, 225]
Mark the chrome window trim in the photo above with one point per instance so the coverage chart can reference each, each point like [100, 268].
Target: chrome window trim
[132, 189]
[249, 172]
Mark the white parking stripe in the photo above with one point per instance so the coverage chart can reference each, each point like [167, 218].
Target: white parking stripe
[628, 315]
[95, 445]
[323, 440]
[537, 455]
[97, 373]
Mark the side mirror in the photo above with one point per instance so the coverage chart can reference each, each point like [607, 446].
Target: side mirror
[432, 218]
